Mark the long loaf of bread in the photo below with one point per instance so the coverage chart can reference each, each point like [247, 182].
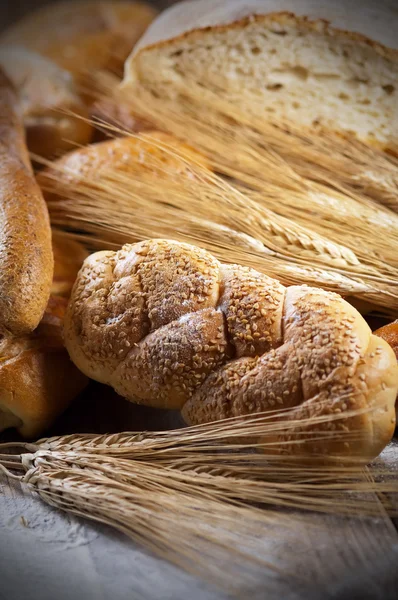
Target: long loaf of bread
[26, 257]
[168, 325]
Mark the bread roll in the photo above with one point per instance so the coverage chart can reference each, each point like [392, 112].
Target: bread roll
[124, 155]
[25, 236]
[54, 115]
[37, 379]
[82, 36]
[167, 325]
[332, 64]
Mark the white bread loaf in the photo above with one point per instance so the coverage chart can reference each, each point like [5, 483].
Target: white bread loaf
[318, 63]
[167, 325]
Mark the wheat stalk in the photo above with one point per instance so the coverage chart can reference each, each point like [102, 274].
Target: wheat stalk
[227, 500]
[126, 205]
[341, 163]
[286, 165]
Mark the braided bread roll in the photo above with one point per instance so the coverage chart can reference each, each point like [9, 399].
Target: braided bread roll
[167, 325]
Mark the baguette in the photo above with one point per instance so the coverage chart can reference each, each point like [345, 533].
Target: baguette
[37, 379]
[82, 36]
[54, 115]
[25, 234]
[320, 64]
[167, 325]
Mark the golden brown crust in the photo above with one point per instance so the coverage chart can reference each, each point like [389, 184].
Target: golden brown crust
[253, 320]
[25, 234]
[151, 152]
[83, 36]
[151, 40]
[167, 325]
[69, 256]
[389, 333]
[37, 379]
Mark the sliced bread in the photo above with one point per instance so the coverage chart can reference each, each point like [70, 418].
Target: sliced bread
[332, 64]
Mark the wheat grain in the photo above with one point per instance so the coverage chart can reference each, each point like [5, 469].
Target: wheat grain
[133, 203]
[343, 163]
[227, 500]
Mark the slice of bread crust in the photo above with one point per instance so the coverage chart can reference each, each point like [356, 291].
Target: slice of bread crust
[281, 65]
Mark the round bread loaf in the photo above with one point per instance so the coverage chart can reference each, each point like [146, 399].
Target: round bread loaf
[151, 152]
[167, 325]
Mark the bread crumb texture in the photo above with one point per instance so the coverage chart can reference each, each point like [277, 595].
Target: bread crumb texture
[283, 66]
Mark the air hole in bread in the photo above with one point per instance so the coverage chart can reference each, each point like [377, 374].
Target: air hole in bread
[274, 86]
[300, 72]
[344, 96]
[360, 80]
[389, 89]
[281, 32]
[255, 50]
[326, 76]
